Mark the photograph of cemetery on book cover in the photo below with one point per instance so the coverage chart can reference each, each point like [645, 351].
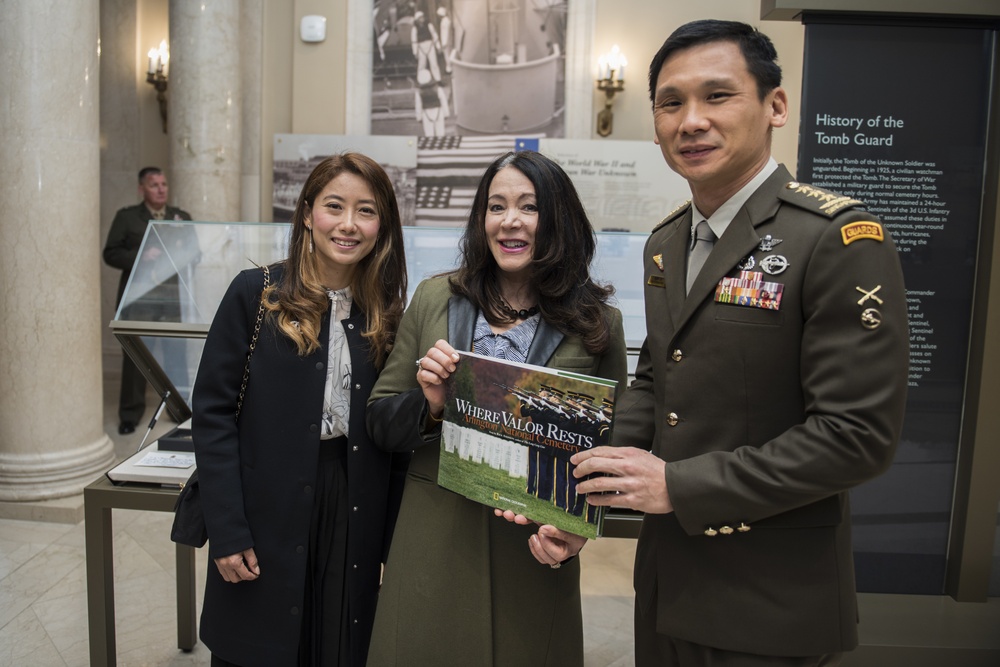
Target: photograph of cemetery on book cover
[509, 431]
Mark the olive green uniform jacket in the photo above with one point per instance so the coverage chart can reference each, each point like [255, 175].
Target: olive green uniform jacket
[766, 418]
[461, 586]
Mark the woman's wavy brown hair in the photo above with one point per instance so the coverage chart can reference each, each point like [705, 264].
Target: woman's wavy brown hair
[299, 301]
[564, 246]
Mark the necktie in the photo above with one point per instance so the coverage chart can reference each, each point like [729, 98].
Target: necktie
[702, 241]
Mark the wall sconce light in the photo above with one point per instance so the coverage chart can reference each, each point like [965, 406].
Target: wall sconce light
[156, 75]
[610, 79]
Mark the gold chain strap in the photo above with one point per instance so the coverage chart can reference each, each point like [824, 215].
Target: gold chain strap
[253, 342]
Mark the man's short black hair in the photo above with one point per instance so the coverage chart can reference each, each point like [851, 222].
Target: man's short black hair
[146, 171]
[755, 46]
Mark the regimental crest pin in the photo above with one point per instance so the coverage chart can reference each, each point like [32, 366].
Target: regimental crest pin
[658, 260]
[746, 263]
[768, 242]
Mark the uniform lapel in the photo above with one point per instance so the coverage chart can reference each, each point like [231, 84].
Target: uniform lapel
[674, 251]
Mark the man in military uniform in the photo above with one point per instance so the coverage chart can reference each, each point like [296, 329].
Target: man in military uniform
[162, 302]
[750, 418]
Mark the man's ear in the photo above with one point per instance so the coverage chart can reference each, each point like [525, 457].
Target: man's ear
[779, 107]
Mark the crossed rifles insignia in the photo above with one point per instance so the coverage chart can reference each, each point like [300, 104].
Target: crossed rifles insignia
[869, 294]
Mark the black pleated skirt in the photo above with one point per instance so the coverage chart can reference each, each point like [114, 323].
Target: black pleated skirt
[325, 621]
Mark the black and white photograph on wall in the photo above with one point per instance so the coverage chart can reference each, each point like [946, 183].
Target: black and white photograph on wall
[296, 155]
[468, 67]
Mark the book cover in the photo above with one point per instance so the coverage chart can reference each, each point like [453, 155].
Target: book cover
[509, 431]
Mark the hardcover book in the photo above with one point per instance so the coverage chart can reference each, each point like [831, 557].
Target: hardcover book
[509, 431]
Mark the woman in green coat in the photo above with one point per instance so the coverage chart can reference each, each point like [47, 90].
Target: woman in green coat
[461, 586]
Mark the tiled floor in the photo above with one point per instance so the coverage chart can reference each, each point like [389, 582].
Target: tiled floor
[43, 597]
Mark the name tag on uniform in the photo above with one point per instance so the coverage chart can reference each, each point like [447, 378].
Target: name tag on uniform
[749, 289]
[656, 281]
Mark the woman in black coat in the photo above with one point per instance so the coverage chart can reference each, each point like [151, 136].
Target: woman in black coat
[298, 504]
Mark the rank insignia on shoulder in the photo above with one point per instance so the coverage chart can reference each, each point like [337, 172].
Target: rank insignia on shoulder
[673, 214]
[816, 199]
[866, 229]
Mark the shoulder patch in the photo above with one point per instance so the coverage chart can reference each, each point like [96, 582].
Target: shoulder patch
[817, 200]
[864, 229]
[673, 214]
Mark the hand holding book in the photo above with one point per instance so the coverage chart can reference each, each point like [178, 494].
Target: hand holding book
[623, 477]
[432, 370]
[550, 545]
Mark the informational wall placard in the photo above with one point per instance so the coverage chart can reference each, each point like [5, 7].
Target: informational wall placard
[872, 129]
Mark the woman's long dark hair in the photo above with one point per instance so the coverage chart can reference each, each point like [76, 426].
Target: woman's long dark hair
[379, 283]
[564, 246]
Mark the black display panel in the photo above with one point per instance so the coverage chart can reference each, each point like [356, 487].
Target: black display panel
[895, 115]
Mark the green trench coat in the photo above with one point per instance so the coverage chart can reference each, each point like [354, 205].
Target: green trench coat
[461, 586]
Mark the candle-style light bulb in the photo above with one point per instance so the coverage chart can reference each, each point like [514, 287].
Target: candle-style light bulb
[162, 57]
[152, 61]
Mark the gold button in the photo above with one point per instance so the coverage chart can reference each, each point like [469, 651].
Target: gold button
[672, 419]
[726, 530]
[711, 532]
[677, 355]
[792, 185]
[743, 528]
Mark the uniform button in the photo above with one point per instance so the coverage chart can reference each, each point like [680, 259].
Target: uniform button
[743, 528]
[711, 532]
[319, 365]
[677, 355]
[673, 419]
[308, 489]
[726, 530]
[299, 549]
[294, 611]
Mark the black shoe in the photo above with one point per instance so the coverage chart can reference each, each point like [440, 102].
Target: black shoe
[125, 428]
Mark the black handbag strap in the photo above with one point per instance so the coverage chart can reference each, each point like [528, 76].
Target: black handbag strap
[253, 341]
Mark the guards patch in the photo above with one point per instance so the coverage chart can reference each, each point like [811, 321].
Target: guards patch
[855, 231]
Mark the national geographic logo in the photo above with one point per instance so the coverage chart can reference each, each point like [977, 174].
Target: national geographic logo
[497, 497]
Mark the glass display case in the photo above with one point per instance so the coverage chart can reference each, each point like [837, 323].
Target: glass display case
[184, 268]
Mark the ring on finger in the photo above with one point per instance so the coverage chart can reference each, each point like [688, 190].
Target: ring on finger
[419, 366]
[556, 566]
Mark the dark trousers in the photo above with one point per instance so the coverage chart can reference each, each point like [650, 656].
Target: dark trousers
[132, 399]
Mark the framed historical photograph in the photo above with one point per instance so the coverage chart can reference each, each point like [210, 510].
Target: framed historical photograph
[437, 68]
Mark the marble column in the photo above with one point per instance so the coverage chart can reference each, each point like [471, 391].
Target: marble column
[52, 442]
[205, 104]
